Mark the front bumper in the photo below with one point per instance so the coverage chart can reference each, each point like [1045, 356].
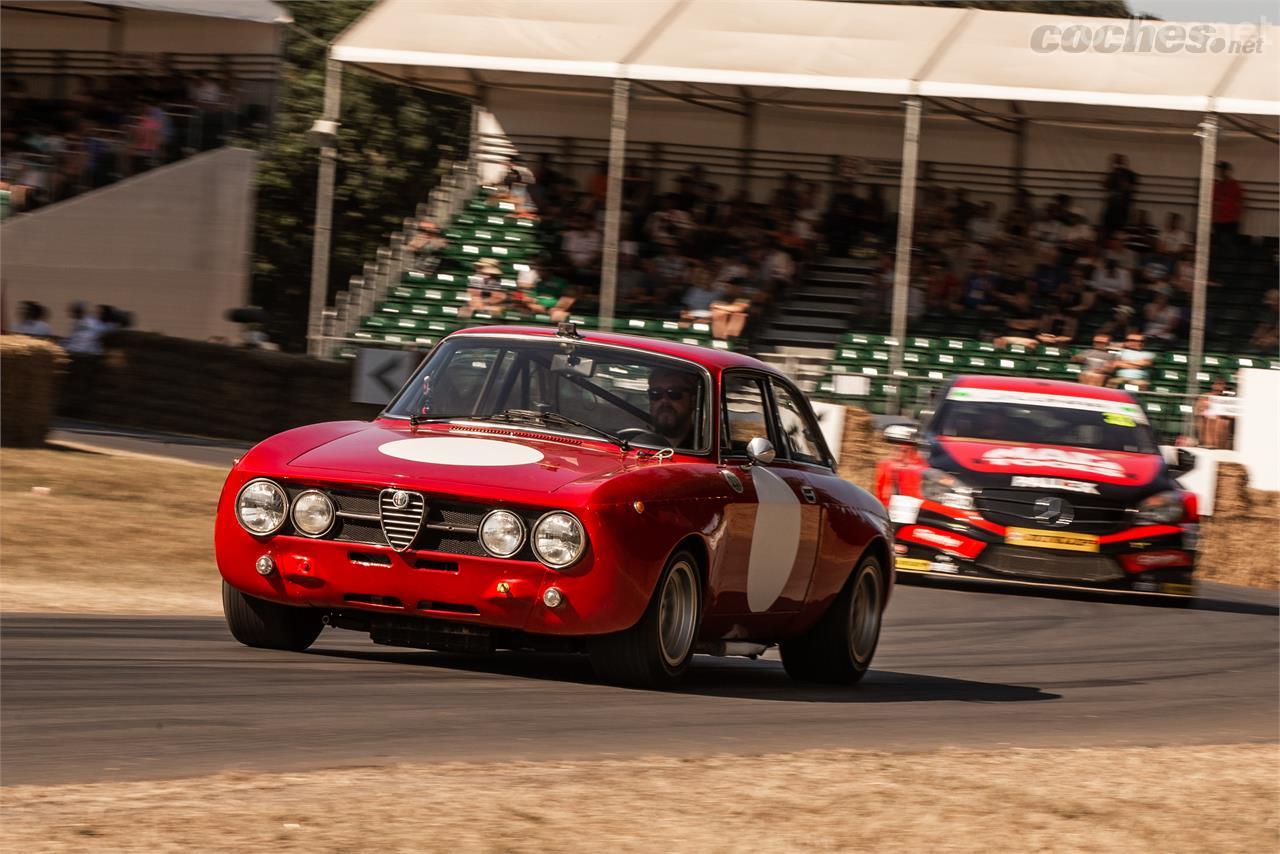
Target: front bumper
[1155, 560]
[485, 591]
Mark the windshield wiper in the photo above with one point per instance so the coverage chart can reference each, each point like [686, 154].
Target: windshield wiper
[555, 417]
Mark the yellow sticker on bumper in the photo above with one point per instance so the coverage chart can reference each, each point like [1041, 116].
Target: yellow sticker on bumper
[911, 564]
[1051, 540]
[1177, 589]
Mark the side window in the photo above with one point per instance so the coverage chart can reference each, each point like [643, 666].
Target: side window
[743, 414]
[799, 432]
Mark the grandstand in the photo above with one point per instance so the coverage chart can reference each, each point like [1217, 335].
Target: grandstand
[837, 122]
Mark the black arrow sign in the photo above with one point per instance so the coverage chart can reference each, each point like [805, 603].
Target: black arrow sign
[391, 367]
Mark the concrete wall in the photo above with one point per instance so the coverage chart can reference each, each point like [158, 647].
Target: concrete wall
[172, 246]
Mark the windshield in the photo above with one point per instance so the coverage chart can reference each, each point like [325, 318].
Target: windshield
[644, 399]
[1008, 416]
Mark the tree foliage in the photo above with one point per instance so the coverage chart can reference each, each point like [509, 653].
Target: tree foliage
[390, 147]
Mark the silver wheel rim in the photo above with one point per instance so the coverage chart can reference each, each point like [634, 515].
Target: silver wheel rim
[864, 615]
[677, 613]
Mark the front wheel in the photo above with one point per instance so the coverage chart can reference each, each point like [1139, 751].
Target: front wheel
[657, 649]
[267, 625]
[838, 649]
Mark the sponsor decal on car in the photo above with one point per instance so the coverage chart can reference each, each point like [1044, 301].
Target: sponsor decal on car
[1053, 483]
[931, 536]
[1051, 540]
[1053, 458]
[911, 564]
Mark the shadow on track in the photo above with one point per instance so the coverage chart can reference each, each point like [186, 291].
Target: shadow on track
[996, 588]
[729, 678]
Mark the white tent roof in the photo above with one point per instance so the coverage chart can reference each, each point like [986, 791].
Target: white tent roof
[466, 46]
[579, 45]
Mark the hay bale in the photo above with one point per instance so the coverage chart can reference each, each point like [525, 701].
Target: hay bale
[31, 372]
[861, 447]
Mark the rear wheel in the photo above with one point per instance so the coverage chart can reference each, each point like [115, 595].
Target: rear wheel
[267, 625]
[839, 648]
[657, 649]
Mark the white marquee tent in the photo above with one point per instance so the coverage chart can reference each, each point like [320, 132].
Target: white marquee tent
[787, 66]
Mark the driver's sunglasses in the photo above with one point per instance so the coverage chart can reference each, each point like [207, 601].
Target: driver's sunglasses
[671, 392]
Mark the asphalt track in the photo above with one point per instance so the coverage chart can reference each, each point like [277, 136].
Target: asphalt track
[92, 698]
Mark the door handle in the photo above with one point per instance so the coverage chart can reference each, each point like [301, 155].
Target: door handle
[809, 494]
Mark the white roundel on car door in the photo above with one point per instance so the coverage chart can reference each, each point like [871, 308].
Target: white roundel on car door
[775, 539]
[461, 451]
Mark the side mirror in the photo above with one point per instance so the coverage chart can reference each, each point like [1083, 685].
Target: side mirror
[1184, 462]
[902, 434]
[760, 450]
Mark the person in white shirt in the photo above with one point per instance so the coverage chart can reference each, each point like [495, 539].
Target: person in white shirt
[86, 332]
[33, 321]
[1111, 280]
[582, 245]
[1163, 319]
[985, 227]
[1173, 240]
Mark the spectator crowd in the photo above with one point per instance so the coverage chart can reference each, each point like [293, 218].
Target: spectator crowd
[1038, 272]
[110, 128]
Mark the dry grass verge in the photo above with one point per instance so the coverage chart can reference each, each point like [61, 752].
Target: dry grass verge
[118, 534]
[1130, 799]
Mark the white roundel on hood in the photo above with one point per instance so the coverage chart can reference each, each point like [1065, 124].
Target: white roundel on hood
[461, 451]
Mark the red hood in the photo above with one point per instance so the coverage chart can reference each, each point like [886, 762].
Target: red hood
[483, 462]
[1012, 458]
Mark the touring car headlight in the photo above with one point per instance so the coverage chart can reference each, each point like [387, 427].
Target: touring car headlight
[313, 513]
[558, 539]
[945, 488]
[1163, 508]
[502, 533]
[262, 507]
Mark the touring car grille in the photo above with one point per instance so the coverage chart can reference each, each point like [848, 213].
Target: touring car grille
[1016, 507]
[401, 513]
[1046, 564]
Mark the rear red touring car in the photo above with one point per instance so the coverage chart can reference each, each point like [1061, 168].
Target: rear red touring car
[1040, 482]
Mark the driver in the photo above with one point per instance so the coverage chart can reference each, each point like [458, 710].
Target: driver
[673, 396]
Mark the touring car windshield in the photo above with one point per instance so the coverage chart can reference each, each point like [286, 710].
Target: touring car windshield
[1102, 425]
[646, 400]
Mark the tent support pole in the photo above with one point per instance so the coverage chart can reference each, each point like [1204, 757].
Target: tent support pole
[1204, 213]
[748, 144]
[902, 257]
[1019, 153]
[324, 214]
[613, 202]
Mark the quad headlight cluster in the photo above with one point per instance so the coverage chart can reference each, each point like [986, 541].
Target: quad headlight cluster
[558, 539]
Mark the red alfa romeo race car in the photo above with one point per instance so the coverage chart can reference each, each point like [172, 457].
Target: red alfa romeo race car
[536, 488]
[1039, 482]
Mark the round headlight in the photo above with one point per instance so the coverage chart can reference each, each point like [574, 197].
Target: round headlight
[313, 513]
[261, 507]
[502, 533]
[558, 539]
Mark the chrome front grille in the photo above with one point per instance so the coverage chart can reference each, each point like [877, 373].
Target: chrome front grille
[401, 513]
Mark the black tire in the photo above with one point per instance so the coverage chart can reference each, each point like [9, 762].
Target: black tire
[258, 623]
[646, 656]
[840, 646]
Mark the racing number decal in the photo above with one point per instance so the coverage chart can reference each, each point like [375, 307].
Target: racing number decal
[775, 539]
